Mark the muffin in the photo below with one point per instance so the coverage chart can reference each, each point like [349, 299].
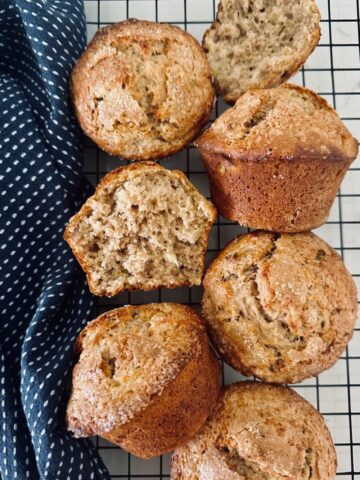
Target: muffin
[276, 159]
[259, 44]
[281, 307]
[258, 432]
[145, 379]
[144, 228]
[142, 90]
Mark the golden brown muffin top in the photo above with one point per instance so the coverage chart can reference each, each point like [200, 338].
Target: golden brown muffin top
[281, 307]
[142, 90]
[258, 432]
[288, 123]
[127, 357]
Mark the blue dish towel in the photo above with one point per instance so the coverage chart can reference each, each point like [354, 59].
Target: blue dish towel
[44, 299]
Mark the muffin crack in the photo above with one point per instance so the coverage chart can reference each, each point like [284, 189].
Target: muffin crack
[259, 116]
[144, 95]
[308, 463]
[235, 462]
[251, 276]
[298, 341]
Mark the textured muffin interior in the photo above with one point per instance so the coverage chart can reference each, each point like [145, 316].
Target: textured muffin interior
[254, 38]
[147, 231]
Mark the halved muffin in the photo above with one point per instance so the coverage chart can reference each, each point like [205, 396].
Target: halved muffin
[145, 227]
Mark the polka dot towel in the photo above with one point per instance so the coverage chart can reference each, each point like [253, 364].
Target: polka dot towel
[43, 299]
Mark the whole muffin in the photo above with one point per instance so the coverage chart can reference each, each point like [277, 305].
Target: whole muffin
[142, 90]
[146, 378]
[281, 307]
[258, 432]
[259, 44]
[276, 159]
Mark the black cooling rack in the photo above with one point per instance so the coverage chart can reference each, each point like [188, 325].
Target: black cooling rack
[333, 70]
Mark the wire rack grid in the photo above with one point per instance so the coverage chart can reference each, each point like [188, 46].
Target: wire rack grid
[333, 70]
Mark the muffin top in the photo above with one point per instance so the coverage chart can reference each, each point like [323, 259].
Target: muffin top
[127, 357]
[142, 90]
[287, 123]
[281, 307]
[258, 432]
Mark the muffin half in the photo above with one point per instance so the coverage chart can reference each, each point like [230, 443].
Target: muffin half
[259, 43]
[145, 227]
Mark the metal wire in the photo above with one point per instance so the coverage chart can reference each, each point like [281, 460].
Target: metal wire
[333, 71]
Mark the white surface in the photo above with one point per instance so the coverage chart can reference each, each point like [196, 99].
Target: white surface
[330, 393]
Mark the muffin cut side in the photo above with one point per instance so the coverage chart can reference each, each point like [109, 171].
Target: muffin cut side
[259, 43]
[143, 232]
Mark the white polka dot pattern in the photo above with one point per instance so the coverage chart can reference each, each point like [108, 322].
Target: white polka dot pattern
[44, 301]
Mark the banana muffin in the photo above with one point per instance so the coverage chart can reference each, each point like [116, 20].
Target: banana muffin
[145, 227]
[276, 159]
[281, 307]
[142, 90]
[258, 432]
[259, 43]
[146, 378]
